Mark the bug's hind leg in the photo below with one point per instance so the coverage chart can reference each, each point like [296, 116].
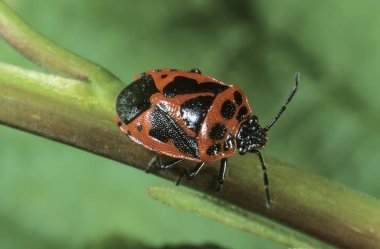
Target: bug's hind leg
[222, 172]
[192, 174]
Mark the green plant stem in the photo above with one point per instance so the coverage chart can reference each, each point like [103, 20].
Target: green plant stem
[45, 52]
[79, 114]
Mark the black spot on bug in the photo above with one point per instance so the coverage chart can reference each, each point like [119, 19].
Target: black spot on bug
[194, 111]
[129, 133]
[164, 128]
[164, 76]
[119, 123]
[229, 143]
[174, 70]
[213, 149]
[134, 99]
[161, 136]
[242, 114]
[139, 127]
[228, 109]
[238, 98]
[185, 85]
[218, 131]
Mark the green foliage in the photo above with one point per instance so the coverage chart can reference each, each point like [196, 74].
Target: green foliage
[54, 196]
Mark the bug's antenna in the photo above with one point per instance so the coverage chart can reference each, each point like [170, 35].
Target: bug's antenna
[265, 178]
[283, 108]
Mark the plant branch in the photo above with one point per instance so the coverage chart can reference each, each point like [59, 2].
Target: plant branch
[45, 52]
[72, 112]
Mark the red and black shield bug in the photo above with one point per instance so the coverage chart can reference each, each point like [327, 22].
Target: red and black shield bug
[189, 116]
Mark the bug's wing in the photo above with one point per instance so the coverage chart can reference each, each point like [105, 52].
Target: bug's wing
[135, 99]
[164, 128]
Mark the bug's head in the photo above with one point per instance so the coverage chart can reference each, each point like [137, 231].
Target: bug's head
[251, 136]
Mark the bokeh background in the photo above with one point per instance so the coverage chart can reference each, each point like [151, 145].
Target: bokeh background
[55, 196]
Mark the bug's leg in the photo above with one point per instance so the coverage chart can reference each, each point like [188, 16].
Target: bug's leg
[222, 172]
[265, 178]
[154, 160]
[196, 70]
[157, 161]
[192, 174]
[168, 165]
[196, 170]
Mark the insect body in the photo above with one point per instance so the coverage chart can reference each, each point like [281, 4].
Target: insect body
[190, 116]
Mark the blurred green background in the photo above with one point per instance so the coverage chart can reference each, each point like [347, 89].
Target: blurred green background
[54, 196]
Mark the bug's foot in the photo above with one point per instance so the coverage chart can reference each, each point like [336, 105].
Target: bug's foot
[189, 176]
[178, 180]
[220, 187]
[180, 177]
